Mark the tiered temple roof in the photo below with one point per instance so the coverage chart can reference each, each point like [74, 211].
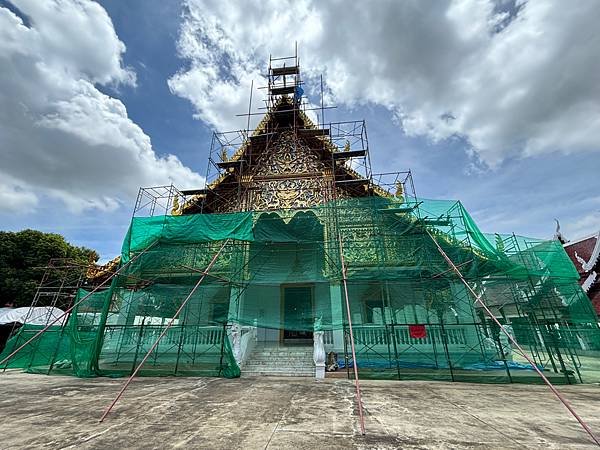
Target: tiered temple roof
[284, 117]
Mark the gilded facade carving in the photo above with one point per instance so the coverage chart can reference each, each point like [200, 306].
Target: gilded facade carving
[288, 175]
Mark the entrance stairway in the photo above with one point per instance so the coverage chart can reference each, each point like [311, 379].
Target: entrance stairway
[283, 361]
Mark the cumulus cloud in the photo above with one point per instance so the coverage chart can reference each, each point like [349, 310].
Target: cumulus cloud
[586, 223]
[16, 197]
[59, 135]
[513, 78]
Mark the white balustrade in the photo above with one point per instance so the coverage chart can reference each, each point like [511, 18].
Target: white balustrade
[328, 337]
[188, 337]
[374, 336]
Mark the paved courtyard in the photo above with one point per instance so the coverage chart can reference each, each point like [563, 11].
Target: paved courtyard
[62, 412]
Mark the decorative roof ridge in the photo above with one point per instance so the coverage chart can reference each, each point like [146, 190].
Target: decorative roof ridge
[581, 239]
[590, 280]
[589, 264]
[594, 256]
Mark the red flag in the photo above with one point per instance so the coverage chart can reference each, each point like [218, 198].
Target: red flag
[417, 331]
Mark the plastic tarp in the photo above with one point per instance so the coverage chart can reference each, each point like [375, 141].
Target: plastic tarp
[41, 315]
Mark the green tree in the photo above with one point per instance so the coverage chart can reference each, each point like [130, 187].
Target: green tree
[23, 255]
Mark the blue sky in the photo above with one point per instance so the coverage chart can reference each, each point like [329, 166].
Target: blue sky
[101, 98]
[150, 29]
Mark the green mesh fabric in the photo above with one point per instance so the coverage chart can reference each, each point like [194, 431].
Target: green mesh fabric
[186, 230]
[279, 275]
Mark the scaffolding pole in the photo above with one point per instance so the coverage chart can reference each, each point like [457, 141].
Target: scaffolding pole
[171, 322]
[75, 305]
[354, 365]
[513, 341]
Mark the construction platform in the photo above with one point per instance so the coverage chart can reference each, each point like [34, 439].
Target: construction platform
[62, 412]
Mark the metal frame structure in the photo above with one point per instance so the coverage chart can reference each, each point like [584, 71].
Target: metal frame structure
[347, 140]
[157, 200]
[61, 278]
[478, 299]
[63, 317]
[164, 331]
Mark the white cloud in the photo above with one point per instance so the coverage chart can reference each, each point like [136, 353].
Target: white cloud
[515, 79]
[15, 197]
[583, 226]
[59, 135]
[585, 223]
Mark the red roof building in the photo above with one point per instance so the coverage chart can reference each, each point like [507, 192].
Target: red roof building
[585, 254]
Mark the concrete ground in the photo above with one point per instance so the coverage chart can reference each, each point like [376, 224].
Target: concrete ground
[62, 412]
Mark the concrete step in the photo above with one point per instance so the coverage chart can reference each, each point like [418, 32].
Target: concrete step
[278, 364]
[259, 367]
[280, 361]
[286, 349]
[295, 351]
[278, 373]
[254, 366]
[281, 357]
[291, 348]
[282, 352]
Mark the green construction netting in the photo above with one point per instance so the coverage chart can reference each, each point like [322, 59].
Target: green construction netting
[278, 278]
[186, 230]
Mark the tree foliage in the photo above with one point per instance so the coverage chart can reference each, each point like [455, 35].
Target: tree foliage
[23, 255]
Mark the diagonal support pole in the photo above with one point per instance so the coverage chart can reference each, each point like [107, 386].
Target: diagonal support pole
[354, 365]
[72, 307]
[171, 322]
[514, 342]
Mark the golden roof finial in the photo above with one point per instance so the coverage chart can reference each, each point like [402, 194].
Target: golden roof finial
[96, 271]
[399, 189]
[176, 209]
[223, 155]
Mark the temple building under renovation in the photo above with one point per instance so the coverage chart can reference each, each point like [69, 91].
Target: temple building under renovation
[297, 259]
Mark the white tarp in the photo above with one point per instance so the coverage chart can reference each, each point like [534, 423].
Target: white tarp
[41, 315]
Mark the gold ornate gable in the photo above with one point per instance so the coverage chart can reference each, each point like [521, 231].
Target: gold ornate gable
[288, 175]
[290, 168]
